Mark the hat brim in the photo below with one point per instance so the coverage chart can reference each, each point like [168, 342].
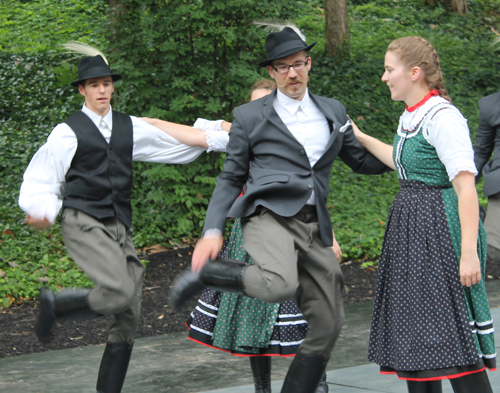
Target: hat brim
[265, 63]
[115, 77]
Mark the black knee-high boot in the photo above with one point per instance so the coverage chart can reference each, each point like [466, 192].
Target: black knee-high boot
[424, 386]
[114, 366]
[222, 274]
[323, 386]
[472, 383]
[261, 370]
[304, 374]
[67, 303]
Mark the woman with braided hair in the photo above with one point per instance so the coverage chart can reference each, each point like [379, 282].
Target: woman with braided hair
[431, 320]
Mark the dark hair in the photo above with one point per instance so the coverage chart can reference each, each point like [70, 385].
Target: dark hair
[415, 51]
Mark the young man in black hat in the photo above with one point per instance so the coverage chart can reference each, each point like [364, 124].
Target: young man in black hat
[90, 156]
[292, 138]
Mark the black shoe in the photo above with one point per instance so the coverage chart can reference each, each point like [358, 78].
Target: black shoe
[323, 385]
[304, 374]
[185, 286]
[222, 274]
[114, 366]
[261, 371]
[67, 303]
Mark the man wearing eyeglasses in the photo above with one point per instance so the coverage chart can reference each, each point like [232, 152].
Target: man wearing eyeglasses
[291, 137]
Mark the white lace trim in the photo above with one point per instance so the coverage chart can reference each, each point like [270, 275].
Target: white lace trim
[461, 162]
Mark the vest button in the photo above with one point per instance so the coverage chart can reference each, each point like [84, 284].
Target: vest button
[310, 186]
[302, 152]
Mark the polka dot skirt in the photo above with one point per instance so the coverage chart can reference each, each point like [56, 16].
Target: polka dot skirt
[420, 319]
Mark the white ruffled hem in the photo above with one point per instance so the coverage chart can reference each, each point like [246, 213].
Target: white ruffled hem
[464, 167]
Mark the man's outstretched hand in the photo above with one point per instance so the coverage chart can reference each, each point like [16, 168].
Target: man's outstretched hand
[37, 223]
[206, 248]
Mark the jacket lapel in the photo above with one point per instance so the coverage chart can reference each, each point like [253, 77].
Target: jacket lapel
[333, 121]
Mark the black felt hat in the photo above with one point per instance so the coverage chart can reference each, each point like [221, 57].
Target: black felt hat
[94, 67]
[282, 44]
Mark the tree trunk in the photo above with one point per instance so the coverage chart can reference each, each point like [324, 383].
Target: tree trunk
[336, 26]
[459, 6]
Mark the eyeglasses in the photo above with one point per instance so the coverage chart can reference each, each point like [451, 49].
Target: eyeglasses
[284, 68]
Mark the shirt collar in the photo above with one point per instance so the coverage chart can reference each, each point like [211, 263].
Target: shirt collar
[292, 105]
[98, 120]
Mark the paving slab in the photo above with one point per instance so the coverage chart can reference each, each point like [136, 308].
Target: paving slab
[171, 363]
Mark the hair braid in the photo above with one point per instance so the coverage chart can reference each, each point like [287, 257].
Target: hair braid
[415, 51]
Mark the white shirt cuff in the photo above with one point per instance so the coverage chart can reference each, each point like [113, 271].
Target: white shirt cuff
[212, 234]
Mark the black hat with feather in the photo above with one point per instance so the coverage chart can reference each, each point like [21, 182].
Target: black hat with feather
[93, 65]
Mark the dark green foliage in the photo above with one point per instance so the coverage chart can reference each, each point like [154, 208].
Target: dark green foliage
[32, 101]
[185, 59]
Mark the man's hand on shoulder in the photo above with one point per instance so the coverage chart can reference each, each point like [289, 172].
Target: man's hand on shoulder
[37, 223]
[206, 248]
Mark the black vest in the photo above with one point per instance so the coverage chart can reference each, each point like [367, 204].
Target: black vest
[99, 180]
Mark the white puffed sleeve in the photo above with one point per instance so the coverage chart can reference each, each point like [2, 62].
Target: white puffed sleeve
[208, 125]
[448, 132]
[43, 182]
[217, 138]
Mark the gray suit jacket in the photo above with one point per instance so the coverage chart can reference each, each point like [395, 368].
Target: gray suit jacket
[282, 179]
[487, 142]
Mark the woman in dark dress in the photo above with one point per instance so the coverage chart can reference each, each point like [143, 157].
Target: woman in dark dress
[431, 319]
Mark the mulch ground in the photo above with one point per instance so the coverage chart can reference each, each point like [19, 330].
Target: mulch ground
[17, 322]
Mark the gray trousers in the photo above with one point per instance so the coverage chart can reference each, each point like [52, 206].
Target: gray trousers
[492, 227]
[290, 260]
[105, 252]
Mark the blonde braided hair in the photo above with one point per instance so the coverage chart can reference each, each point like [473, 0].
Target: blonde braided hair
[415, 51]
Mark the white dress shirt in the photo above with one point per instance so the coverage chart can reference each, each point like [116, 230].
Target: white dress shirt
[44, 179]
[307, 124]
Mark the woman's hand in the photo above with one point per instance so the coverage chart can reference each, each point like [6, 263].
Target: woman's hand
[379, 149]
[357, 132]
[470, 269]
[468, 214]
